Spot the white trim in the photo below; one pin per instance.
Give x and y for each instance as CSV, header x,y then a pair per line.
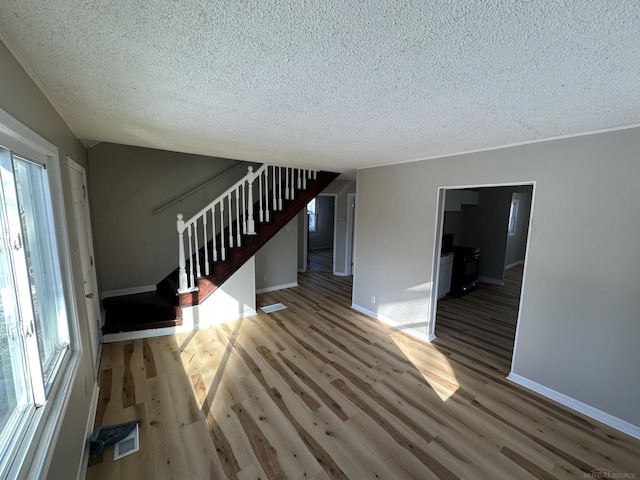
x,y
514,264
128,291
507,145
19,138
276,287
335,227
35,452
84,459
340,274
567,401
350,244
393,323
34,458
491,280
159,332
302,270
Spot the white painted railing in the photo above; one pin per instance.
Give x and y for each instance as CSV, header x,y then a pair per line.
x,y
233,211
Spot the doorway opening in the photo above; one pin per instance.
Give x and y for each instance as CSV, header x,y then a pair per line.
x,y
321,233
478,297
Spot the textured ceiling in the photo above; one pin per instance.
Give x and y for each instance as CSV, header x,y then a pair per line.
x,y
331,83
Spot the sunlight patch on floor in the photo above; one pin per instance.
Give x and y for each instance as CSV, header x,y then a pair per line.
x,y
432,365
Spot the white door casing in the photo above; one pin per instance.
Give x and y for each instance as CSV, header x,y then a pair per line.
x,y
81,210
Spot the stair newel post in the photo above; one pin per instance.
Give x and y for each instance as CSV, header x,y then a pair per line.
x,y
213,233
251,224
238,227
230,205
182,272
205,244
223,251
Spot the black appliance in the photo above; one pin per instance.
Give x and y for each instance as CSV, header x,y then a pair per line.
x,y
464,275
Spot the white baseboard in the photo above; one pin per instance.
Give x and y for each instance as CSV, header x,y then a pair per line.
x,y
84,459
129,291
276,287
160,332
588,410
514,264
393,323
302,270
340,274
492,281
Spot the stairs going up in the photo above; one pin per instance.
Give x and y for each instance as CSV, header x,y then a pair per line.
x,y
163,307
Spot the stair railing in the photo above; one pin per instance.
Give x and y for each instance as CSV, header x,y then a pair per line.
x,y
233,210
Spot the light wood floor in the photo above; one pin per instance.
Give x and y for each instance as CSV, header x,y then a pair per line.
x,y
484,319
320,260
320,391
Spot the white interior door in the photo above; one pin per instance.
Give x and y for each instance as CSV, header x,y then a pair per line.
x,y
85,244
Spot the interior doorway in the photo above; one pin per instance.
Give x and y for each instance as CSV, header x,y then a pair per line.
x,y
321,233
479,304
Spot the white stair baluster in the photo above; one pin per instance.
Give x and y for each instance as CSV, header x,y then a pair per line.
x,y
315,174
230,205
223,250
251,224
238,227
205,244
266,195
182,273
299,179
304,179
244,210
191,265
197,249
287,195
213,233
275,200
280,188
261,213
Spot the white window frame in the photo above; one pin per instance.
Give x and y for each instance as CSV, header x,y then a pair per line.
x,y
32,453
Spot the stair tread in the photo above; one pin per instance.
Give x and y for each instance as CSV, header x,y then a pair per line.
x,y
147,298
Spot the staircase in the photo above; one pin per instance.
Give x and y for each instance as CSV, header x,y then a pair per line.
x,y
216,242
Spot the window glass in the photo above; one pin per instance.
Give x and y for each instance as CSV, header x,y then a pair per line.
x,y
313,217
40,252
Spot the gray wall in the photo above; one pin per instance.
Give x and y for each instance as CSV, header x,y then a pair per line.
x,y
303,236
22,99
135,247
278,259
323,236
578,328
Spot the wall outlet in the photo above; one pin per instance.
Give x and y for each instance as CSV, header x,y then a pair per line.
x,y
373,299
265,278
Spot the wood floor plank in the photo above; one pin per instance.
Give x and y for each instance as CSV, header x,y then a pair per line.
x,y
320,391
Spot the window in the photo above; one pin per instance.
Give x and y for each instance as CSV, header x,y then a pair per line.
x,y
513,217
36,366
313,216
